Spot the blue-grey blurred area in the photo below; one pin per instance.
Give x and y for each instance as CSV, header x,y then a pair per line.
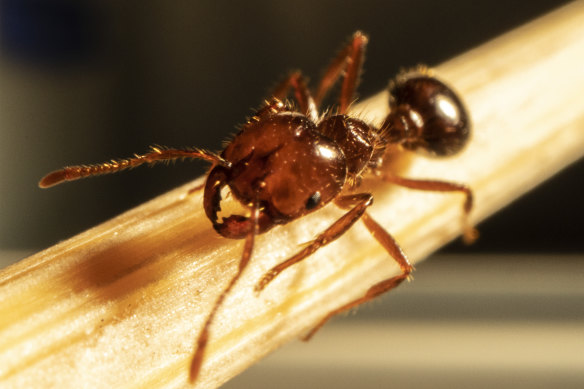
x,y
57,32
86,81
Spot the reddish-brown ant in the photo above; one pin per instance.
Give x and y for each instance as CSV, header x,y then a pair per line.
x,y
287,162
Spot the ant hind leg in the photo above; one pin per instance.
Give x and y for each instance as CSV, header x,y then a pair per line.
x,y
470,234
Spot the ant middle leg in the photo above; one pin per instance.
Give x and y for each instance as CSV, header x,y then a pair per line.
x,y
470,234
337,229
392,247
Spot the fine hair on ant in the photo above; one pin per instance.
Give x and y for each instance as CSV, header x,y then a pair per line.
x,y
289,160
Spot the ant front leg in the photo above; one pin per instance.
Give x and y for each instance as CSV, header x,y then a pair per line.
x,y
337,229
204,335
196,189
391,246
301,93
201,186
349,61
470,234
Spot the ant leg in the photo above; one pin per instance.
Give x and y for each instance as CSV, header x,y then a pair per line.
x,y
389,243
199,187
196,189
470,234
349,60
204,335
156,154
337,229
301,93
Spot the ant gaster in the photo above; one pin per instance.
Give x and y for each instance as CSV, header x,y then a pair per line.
x,y
287,162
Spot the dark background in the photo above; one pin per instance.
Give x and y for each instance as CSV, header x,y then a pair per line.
x,y
86,81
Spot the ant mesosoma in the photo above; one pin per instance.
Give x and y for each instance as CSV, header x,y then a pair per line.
x,y
287,162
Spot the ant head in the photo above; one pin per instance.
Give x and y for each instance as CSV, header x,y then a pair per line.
x,y
283,163
426,115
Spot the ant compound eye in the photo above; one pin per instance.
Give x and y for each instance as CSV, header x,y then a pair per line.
x,y
313,201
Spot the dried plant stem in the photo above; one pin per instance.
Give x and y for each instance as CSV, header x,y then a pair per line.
x,y
120,305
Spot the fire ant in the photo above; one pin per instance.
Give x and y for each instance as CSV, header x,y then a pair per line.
x,y
288,161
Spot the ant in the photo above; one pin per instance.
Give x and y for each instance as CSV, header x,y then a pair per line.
x,y
289,161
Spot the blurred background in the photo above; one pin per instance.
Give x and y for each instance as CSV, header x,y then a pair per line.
x,y
86,81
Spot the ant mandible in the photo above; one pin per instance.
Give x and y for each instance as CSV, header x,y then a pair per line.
x,y
287,162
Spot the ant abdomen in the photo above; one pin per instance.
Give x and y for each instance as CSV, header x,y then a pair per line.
x,y
426,115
